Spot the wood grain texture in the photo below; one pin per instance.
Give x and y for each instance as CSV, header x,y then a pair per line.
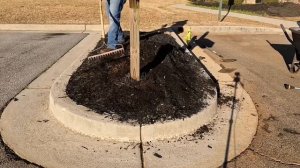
x,y
101,20
135,40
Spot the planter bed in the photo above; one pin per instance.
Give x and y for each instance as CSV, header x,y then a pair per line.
x,y
173,84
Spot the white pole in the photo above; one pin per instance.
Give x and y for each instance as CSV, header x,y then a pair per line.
x,y
220,10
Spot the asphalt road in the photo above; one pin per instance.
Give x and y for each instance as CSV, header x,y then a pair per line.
x,y
23,57
261,61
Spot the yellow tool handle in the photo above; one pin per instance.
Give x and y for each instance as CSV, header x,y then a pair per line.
x,y
101,19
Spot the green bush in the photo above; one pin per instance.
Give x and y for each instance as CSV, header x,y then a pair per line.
x,y
236,2
225,2
270,1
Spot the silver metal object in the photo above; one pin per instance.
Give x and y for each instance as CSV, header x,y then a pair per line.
x,y
119,52
295,65
287,86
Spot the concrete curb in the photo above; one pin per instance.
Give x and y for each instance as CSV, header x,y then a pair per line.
x,y
96,28
80,28
234,29
272,21
83,120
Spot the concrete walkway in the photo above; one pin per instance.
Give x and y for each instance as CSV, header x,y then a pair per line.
x,y
239,15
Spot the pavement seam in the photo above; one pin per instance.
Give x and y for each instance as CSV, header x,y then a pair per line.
x,y
38,88
84,29
273,159
141,147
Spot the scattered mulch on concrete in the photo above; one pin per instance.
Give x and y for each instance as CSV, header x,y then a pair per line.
x,y
225,100
157,155
201,130
199,133
173,85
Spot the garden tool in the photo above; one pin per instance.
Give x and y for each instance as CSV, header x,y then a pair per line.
x,y
116,52
101,19
295,65
188,37
119,52
287,86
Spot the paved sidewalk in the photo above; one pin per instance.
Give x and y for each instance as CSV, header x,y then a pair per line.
x,y
238,15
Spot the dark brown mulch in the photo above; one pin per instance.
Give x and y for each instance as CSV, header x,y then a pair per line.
x,y
173,85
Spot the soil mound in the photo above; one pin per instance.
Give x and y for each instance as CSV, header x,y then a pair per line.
x,y
173,85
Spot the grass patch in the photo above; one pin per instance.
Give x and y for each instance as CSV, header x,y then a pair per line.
x,y
268,8
225,8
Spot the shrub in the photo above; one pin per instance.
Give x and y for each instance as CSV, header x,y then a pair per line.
x,y
270,1
225,2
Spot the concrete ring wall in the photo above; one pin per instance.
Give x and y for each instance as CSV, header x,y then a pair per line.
x,y
81,119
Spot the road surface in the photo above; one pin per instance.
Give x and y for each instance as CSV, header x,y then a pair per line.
x,y
23,57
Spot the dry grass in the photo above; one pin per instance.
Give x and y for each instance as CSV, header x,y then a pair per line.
x,y
154,13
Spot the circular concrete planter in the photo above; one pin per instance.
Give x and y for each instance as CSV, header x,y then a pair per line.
x,y
85,121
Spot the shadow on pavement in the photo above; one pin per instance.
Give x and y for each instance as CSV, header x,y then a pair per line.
x,y
230,3
287,52
234,101
202,42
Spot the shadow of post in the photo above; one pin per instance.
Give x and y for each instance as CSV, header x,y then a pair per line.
x,y
287,51
162,53
230,4
236,80
202,42
228,11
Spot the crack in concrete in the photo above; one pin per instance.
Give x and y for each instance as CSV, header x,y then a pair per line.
x,y
141,147
274,159
30,88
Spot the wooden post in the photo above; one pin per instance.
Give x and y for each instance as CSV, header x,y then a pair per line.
x,y
134,40
101,19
